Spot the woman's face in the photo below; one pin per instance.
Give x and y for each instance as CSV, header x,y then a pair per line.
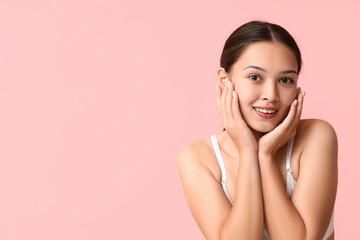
x,y
265,78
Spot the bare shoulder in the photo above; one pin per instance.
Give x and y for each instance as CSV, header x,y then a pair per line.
x,y
192,151
317,137
316,132
316,128
204,195
194,156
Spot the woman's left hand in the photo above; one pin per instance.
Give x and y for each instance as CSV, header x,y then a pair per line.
x,y
271,142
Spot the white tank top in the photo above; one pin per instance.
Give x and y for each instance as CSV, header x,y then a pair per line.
x,y
290,182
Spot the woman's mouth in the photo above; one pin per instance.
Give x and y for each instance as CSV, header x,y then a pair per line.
x,y
265,112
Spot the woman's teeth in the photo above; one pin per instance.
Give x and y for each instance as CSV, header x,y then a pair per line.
x,y
264,110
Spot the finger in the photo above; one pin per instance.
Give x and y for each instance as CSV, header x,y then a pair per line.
x,y
224,102
222,85
236,107
229,98
291,115
300,99
219,92
223,105
301,102
218,96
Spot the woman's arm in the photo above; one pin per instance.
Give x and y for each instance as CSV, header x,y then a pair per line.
x,y
246,218
307,214
282,219
210,207
316,187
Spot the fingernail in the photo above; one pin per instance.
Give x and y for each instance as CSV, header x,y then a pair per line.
x,y
234,94
295,102
303,94
229,84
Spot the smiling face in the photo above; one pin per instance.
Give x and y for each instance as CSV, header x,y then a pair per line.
x,y
265,78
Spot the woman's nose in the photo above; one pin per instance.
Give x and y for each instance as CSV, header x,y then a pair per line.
x,y
270,92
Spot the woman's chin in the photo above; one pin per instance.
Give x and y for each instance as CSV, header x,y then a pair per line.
x,y
262,125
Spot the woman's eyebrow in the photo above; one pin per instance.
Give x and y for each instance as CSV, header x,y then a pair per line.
x,y
289,71
261,69
256,67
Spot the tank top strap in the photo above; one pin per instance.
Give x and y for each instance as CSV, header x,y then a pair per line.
x,y
219,158
288,155
222,166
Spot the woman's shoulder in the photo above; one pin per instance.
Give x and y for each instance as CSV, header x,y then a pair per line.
x,y
197,156
310,129
195,151
316,137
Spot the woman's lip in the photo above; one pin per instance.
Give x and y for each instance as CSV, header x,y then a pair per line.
x,y
266,115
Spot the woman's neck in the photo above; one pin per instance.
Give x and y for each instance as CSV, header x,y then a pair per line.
x,y
257,134
231,147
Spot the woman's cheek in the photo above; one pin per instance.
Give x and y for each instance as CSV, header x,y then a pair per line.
x,y
289,98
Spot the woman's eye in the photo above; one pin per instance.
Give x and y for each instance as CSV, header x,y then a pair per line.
x,y
286,80
254,77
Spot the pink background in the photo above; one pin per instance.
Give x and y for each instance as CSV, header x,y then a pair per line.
x,y
97,97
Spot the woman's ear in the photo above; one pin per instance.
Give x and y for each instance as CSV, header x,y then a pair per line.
x,y
222,76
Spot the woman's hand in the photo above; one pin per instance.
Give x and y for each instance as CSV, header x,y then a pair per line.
x,y
236,127
271,142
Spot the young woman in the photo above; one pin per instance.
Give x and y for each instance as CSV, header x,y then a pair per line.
x,y
268,174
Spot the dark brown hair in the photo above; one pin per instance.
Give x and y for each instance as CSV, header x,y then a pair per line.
x,y
255,31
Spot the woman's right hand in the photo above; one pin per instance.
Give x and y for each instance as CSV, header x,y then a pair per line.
x,y
229,109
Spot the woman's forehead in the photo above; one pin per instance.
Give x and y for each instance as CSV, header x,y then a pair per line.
x,y
273,56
